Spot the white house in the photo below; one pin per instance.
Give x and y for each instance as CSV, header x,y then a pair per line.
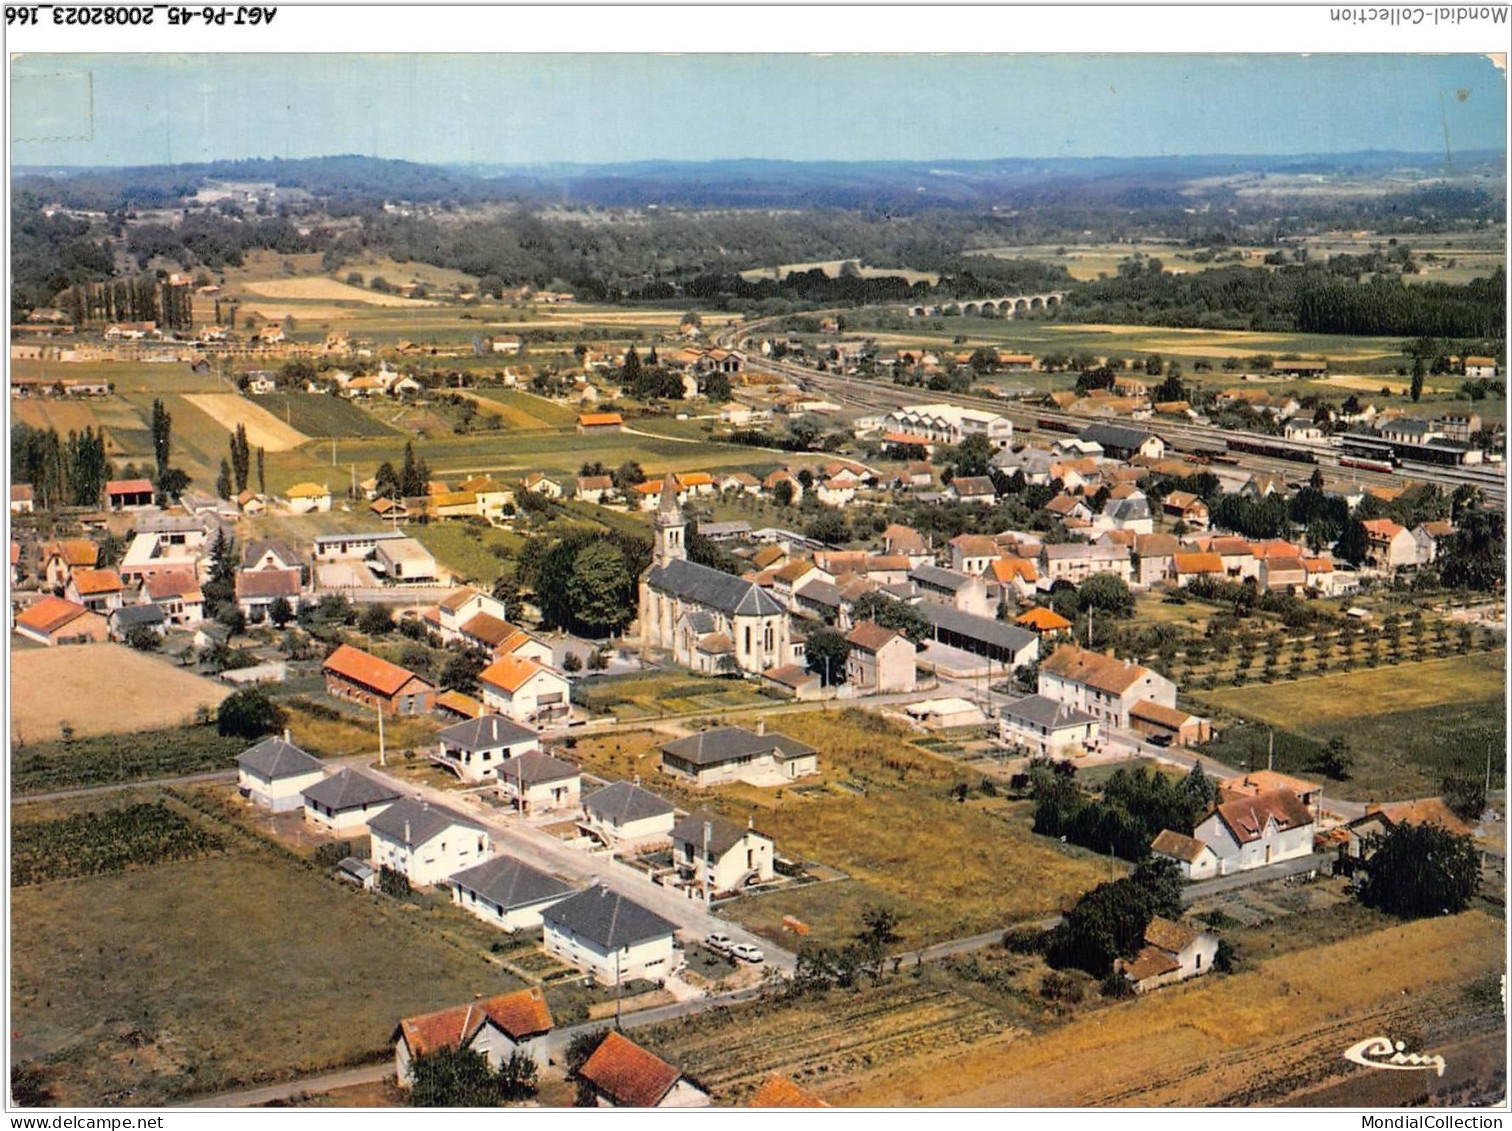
x,y
716,855
627,816
307,497
495,1027
474,750
524,690
1046,726
507,893
536,782
1102,686
1196,860
726,754
881,660
609,936
343,802
428,843
1251,832
275,772
404,561
622,1074
1171,953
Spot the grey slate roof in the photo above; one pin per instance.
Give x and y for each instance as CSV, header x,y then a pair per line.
x,y
938,578
702,585
723,834
606,919
821,593
979,628
273,758
252,551
1042,711
509,883
701,622
1112,436
624,801
725,744
536,768
348,790
129,616
487,732
410,822
1128,510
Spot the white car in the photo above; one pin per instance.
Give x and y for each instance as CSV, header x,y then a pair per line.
x,y
747,953
719,944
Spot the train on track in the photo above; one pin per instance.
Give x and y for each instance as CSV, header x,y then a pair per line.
x,y
1365,463
1274,449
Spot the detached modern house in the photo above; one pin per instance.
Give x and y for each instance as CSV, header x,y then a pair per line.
x,y
507,893
497,1027
275,772
536,782
53,621
475,750
717,855
609,936
524,690
623,815
622,1074
428,843
726,754
345,801
1196,860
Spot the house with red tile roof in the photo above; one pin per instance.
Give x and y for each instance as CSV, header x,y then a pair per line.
x,y
780,1091
496,1027
881,660
1251,832
53,621
1172,952
622,1074
524,690
351,673
1104,687
98,589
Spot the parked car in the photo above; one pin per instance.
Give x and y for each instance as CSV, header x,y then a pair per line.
x,y
1160,740
747,953
719,944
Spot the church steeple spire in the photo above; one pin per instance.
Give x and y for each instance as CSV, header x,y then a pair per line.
x,y
670,524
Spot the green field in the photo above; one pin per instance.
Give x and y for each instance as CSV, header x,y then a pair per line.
x,y
465,550
322,416
1406,725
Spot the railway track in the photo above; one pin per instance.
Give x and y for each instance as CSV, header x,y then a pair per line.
x,y
872,396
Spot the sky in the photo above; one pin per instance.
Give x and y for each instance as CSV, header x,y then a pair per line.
x,y
534,109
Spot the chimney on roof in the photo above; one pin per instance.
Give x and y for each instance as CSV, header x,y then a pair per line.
x,y
761,726
406,832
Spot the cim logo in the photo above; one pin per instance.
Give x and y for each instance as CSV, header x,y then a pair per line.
x,y
1383,1052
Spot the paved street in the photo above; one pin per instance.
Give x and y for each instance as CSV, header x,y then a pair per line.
x,y
544,851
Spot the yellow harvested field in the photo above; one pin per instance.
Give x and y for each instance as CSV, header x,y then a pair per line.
x,y
264,430
327,290
102,689
1256,1036
65,416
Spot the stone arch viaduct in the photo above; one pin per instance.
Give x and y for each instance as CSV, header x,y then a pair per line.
x,y
1004,307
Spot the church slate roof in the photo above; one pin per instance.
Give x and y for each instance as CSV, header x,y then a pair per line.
x,y
702,585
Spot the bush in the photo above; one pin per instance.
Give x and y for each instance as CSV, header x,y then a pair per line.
x,y
248,713
393,883
1116,986
1024,940
1061,987
329,855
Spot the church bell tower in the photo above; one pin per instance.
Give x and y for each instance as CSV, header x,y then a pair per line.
x,y
670,525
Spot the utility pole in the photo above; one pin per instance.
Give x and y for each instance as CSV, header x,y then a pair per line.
x,y
382,753
617,988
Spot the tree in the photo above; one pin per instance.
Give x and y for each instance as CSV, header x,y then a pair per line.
x,y
972,457
1417,379
223,481
1465,794
630,372
262,479
143,638
461,670
828,526
627,475
162,438
579,1049
453,1077
280,612
782,494
894,614
879,930
1354,543
1336,759
1421,870
241,458
1108,593
600,587
717,387
248,713
376,620
827,653
572,663
1473,554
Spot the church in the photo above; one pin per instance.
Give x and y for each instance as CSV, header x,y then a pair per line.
x,y
706,618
